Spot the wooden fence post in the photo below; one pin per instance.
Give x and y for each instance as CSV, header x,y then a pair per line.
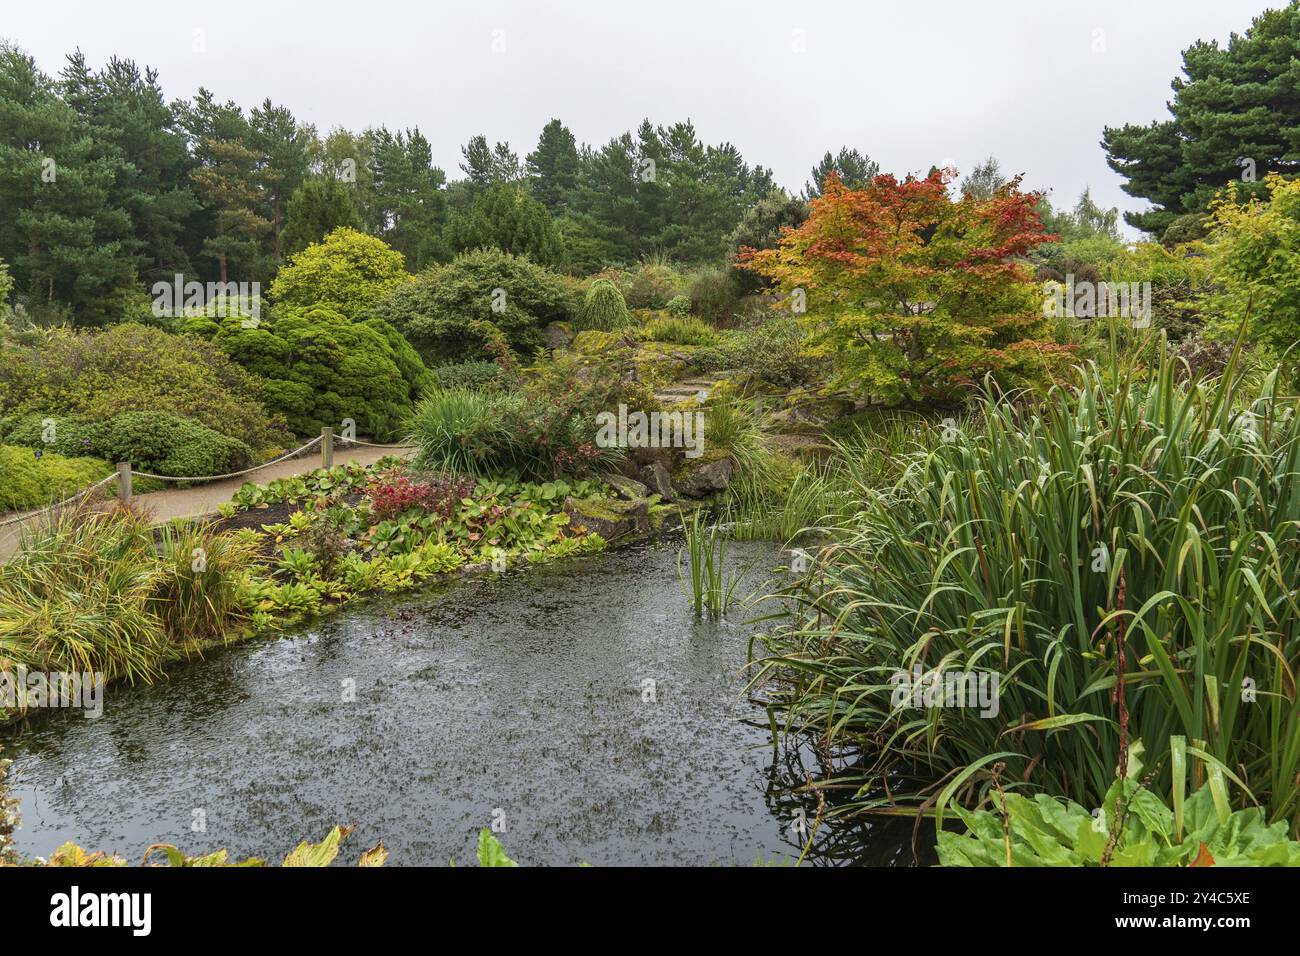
x,y
124,482
327,447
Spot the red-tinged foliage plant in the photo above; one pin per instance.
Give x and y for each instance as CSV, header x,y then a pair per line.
x,y
391,494
917,296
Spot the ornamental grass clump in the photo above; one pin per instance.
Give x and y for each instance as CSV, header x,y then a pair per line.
x,y
1121,557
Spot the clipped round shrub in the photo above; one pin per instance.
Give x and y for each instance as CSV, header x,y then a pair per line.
x,y
347,271
68,435
166,444
603,308
321,368
516,295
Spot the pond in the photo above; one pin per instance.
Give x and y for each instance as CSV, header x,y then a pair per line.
x,y
580,706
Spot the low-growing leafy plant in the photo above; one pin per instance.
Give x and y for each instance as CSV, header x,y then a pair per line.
x,y
1132,827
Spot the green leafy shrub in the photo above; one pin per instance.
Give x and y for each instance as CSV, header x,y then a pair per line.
x,y
1046,831
347,272
774,352
679,306
435,311
1255,256
545,429
28,481
165,444
69,435
603,309
135,368
651,284
320,368
1133,525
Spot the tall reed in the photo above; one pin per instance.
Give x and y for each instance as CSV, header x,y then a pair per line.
x,y
1123,556
710,586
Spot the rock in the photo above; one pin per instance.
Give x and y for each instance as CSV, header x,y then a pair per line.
x,y
611,518
658,481
557,335
627,488
707,479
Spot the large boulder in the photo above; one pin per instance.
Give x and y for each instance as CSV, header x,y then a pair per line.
x,y
706,479
611,518
557,335
658,481
627,488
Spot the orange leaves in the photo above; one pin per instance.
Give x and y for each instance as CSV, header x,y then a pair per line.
x,y
941,283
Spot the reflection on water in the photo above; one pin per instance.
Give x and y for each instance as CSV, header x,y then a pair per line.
x,y
580,705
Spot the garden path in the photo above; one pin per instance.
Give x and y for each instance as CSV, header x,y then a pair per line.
x,y
202,500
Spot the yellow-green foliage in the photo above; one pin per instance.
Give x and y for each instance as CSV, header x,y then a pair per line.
x,y
27,481
347,271
1256,258
136,368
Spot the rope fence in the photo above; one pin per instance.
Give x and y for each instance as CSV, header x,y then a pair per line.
x,y
58,504
327,441
234,474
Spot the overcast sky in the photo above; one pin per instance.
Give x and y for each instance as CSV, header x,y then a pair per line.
x,y
912,84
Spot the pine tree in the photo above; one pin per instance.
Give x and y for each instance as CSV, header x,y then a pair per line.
x,y
133,127
854,169
506,217
282,163
410,202
1235,117
69,245
553,166
318,207
226,180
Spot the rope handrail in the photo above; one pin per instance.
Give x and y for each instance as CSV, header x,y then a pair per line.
x,y
234,474
358,441
27,516
58,504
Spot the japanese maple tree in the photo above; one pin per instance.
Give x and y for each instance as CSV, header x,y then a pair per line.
x,y
915,295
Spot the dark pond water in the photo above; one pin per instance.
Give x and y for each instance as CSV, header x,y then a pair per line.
x,y
522,699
